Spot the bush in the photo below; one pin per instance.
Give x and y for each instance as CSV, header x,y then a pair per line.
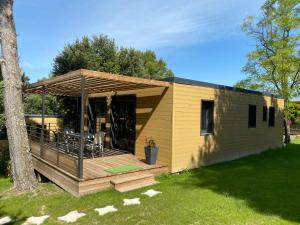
x,y
4,162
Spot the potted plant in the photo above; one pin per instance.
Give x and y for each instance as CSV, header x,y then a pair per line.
x,y
151,151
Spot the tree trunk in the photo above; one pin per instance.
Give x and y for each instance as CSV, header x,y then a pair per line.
x,y
287,131
21,163
287,126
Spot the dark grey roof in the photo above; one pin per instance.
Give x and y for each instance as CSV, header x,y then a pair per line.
x,y
180,80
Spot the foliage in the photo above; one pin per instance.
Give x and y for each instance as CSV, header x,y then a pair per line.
x,y
274,65
33,104
150,143
255,86
4,162
252,190
295,112
101,53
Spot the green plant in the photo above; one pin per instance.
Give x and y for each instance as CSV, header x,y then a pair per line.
x,y
4,162
150,143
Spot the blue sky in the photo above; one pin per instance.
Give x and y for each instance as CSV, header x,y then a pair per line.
x,y
199,39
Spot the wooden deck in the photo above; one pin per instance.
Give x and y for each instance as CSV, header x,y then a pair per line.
x,y
62,171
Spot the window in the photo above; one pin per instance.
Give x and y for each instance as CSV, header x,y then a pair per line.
x,y
252,116
265,113
207,117
271,117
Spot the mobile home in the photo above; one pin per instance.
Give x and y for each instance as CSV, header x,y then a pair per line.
x,y
193,123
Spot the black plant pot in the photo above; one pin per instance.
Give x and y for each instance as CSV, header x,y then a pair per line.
x,y
151,155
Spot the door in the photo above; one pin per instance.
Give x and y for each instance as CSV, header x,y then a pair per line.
x,y
123,118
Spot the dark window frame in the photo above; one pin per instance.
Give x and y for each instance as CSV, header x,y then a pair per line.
x,y
271,116
211,130
252,117
265,113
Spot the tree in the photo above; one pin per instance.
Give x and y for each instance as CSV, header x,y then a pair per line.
x,y
274,65
101,53
22,169
2,117
142,64
33,102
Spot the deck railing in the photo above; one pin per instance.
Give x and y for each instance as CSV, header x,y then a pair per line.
x,y
61,149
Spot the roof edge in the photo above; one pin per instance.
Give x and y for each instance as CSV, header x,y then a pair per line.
x,y
179,80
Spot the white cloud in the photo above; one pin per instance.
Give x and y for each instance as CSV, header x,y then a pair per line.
x,y
156,23
26,64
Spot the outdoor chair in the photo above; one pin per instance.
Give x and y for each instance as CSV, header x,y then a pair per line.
x,y
69,139
95,142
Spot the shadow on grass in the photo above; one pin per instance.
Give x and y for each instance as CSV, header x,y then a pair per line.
x,y
269,182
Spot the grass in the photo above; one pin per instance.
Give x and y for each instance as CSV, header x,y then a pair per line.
x,y
122,169
260,189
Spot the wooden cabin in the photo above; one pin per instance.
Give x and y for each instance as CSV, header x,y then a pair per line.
x,y
193,123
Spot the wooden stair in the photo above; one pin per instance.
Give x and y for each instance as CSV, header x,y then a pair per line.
x,y
131,182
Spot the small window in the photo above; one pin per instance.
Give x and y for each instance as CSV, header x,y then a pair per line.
x,y
207,117
252,116
265,113
271,117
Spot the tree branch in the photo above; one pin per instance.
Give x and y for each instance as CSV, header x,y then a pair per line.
x,y
295,79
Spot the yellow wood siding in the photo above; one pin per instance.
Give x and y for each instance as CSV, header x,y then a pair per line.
x,y
153,119
51,123
172,117
232,138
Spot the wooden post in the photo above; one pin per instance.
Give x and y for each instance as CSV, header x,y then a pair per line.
x,y
108,122
43,123
57,149
80,159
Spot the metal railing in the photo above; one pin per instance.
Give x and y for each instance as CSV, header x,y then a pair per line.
x,y
61,149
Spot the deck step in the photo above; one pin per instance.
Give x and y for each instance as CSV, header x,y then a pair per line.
x,y
131,182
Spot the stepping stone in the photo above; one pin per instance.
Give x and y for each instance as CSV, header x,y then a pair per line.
x,y
71,216
133,201
36,220
105,210
5,220
151,193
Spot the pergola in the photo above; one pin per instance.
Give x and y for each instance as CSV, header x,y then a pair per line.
x,y
81,83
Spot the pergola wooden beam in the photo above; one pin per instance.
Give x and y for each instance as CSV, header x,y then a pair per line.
x,y
69,84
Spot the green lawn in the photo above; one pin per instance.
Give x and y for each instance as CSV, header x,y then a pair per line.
x,y
261,189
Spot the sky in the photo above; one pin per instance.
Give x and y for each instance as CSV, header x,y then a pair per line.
x,y
199,39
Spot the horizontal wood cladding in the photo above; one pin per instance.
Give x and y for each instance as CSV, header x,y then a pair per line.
x,y
232,138
65,162
153,119
51,123
61,179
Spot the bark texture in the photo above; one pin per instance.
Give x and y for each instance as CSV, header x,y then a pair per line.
x,y
21,162
286,124
287,131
